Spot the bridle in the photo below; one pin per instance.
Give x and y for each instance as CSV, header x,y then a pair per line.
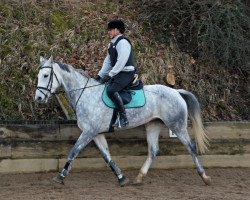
x,y
49,86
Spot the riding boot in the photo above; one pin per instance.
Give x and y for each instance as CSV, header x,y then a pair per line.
x,y
121,110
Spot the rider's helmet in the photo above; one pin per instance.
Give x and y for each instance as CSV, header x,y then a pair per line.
x,y
116,23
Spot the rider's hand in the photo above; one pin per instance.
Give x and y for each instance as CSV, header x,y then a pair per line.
x,y
98,78
105,79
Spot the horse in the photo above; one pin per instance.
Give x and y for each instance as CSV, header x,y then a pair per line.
x,y
164,106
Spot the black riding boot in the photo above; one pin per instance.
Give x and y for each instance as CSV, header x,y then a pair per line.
x,y
120,107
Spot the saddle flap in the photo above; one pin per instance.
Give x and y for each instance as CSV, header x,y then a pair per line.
x,y
126,96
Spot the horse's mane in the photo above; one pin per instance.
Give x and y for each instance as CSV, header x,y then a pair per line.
x,y
66,67
82,72
63,66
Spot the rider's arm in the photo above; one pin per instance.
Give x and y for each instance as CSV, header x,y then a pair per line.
x,y
106,66
123,50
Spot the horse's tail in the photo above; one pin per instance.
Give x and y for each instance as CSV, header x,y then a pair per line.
x,y
201,138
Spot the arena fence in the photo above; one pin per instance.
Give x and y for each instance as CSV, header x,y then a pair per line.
x,y
41,146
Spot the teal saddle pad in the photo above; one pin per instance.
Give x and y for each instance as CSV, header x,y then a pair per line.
x,y
138,99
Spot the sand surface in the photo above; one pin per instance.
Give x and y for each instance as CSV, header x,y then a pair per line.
x,y
227,184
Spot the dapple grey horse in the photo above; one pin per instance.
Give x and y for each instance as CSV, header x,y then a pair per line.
x,y
164,106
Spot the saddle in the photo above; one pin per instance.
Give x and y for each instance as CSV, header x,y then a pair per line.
x,y
136,84
132,96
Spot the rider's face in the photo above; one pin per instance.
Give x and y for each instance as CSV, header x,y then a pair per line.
x,y
113,32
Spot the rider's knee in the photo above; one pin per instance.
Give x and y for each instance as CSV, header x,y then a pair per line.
x,y
110,93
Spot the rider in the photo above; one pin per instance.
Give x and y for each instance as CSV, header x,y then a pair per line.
x,y
118,67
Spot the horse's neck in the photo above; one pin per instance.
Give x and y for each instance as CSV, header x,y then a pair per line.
x,y
73,82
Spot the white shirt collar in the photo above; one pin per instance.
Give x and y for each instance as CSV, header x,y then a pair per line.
x,y
115,38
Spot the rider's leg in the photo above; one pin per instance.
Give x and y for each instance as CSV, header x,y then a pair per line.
x,y
120,107
102,144
119,82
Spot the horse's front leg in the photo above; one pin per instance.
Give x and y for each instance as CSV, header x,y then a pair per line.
x,y
82,141
102,144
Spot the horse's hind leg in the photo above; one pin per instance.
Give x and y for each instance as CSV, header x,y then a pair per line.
x,y
191,147
153,130
102,144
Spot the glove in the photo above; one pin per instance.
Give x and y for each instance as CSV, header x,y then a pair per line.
x,y
105,79
98,78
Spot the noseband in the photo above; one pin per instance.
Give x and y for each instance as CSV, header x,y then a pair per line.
x,y
49,86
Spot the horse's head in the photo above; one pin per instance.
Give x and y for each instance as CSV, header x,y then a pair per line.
x,y
47,80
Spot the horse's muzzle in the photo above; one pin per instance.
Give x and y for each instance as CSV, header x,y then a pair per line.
x,y
41,99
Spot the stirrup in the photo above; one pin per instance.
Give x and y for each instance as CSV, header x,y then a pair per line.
x,y
118,122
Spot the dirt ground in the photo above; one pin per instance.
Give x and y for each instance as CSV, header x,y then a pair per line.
x,y
229,184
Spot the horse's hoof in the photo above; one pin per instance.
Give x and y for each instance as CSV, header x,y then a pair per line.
x,y
138,180
137,183
123,181
59,179
207,179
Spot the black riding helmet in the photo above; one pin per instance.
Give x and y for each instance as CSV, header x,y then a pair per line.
x,y
116,23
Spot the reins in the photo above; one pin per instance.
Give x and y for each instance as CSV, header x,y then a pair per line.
x,y
81,92
83,88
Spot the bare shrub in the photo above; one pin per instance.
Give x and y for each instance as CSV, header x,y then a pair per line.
x,y
215,31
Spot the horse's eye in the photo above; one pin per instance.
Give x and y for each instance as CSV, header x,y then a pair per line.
x,y
45,76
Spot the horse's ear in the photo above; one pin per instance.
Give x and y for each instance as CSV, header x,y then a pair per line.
x,y
51,59
42,60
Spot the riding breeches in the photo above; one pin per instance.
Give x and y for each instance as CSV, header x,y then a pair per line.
x,y
119,82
